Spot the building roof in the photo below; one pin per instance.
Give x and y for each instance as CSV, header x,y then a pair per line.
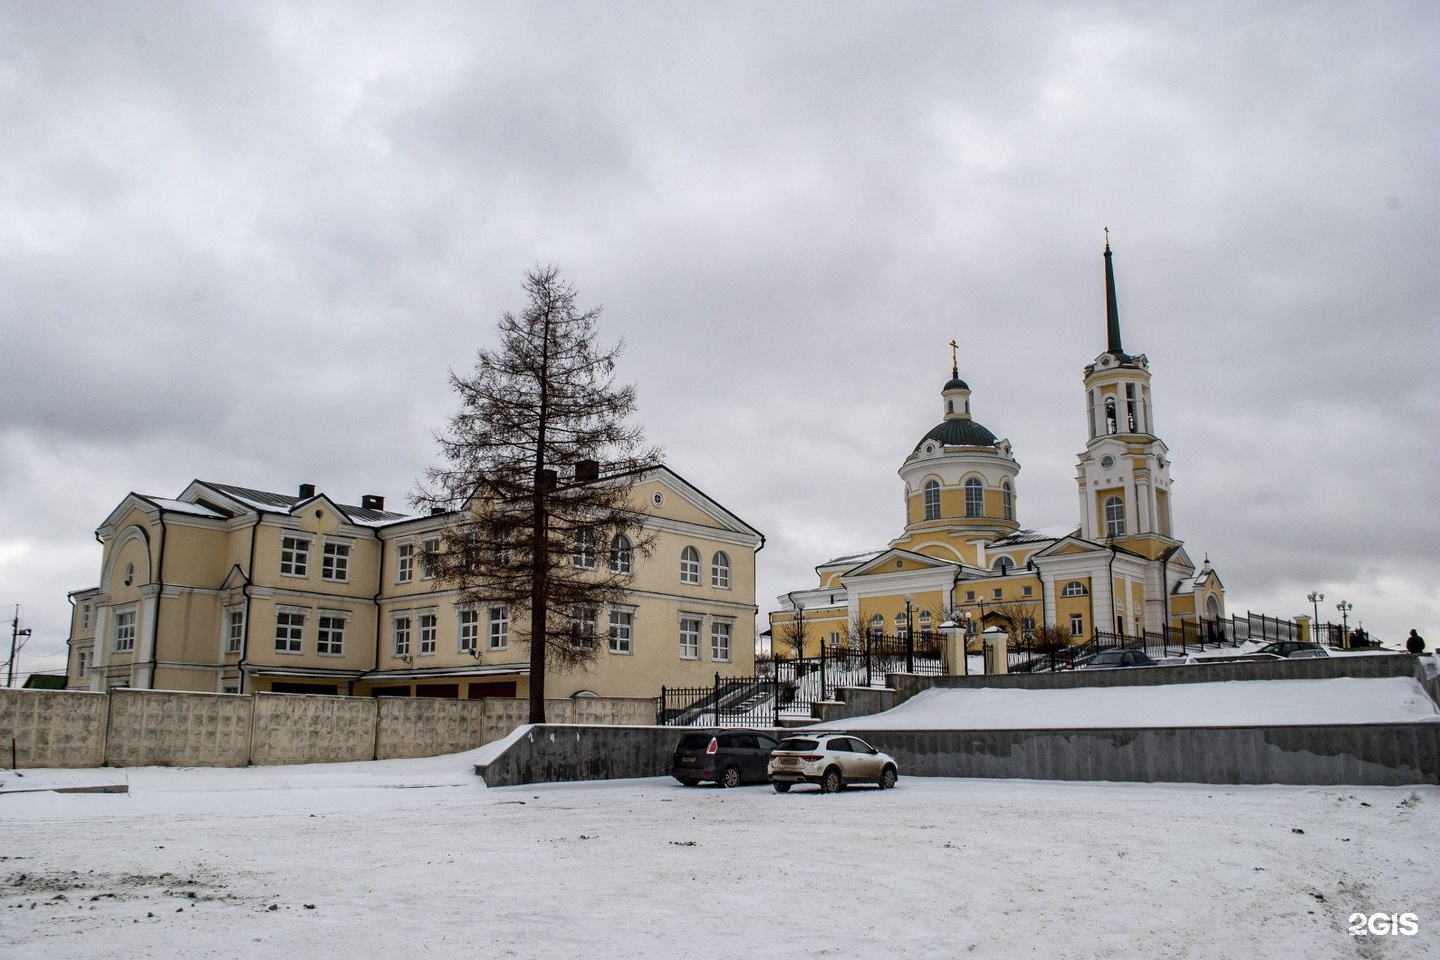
x,y
959,432
268,502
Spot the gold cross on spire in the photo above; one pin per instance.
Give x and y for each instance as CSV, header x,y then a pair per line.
x,y
954,357
1107,237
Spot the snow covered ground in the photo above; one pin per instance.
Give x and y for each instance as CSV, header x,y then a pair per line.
x,y
417,858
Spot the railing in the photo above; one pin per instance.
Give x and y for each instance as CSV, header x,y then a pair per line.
x,y
1171,641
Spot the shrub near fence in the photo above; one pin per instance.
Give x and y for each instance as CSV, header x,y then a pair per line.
x,y
66,728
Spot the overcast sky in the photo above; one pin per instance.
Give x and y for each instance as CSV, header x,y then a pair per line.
x,y
245,243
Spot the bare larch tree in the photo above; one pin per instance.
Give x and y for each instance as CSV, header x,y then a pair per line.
x,y
539,465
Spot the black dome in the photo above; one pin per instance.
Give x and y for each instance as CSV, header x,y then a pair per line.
x,y
955,383
959,433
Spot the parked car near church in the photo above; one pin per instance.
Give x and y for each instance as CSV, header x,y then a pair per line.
x,y
834,761
725,757
1297,649
1119,657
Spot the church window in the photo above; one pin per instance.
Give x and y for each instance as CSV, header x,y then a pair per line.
x,y
925,627
1132,418
901,630
1074,589
974,498
877,627
1002,565
932,500
584,556
1077,625
1007,500
1111,425
1114,517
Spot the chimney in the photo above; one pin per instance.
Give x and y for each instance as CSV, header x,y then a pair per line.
x,y
587,471
372,501
307,490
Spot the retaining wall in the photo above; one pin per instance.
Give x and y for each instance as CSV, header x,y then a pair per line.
x,y
52,728
128,728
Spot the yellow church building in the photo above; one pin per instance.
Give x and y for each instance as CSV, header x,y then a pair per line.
x,y
964,555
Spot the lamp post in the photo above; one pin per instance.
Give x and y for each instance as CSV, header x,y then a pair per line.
x,y
965,645
909,636
1315,599
1345,606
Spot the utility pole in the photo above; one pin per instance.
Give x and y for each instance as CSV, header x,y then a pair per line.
x,y
15,634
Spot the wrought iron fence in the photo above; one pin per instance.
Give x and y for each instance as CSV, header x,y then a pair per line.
x,y
784,687
1169,642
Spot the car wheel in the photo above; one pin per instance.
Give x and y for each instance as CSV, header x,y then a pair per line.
x,y
688,781
831,782
730,777
781,786
888,778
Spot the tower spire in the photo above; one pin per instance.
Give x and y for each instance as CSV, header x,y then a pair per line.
x,y
1112,310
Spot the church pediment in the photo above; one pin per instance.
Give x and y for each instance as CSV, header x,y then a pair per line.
x,y
898,561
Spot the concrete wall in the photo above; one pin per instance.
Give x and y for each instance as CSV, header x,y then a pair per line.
x,y
53,728
1358,754
128,728
312,729
166,728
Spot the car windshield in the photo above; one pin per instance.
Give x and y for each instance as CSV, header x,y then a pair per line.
x,y
1109,656
795,743
694,741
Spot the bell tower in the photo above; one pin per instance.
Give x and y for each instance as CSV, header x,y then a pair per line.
x,y
1124,471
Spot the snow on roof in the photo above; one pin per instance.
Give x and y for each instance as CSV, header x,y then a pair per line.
x,y
1224,704
182,506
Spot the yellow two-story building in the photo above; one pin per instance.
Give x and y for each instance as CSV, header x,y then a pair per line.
x,y
229,589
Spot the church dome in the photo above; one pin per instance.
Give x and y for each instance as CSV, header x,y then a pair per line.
x,y
959,432
956,383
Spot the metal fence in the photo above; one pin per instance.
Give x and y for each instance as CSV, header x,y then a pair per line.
x,y
784,687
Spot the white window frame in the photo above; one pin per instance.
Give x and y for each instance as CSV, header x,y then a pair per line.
x,y
1074,588
622,631
295,556
720,570
722,640
292,639
85,615
82,658
974,497
498,627
1114,516
622,555
584,627
404,562
690,626
1077,625
127,624
468,629
234,639
585,555
429,547
1007,500
335,561
690,565
427,632
402,626
330,633
932,499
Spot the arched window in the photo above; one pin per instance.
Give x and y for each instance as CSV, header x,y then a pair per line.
x,y
585,549
1074,589
1007,500
622,555
925,624
1003,564
1111,424
974,498
932,500
877,627
901,627
689,565
720,571
1114,517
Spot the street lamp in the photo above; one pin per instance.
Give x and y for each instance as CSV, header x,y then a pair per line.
x,y
1315,599
15,634
1345,606
909,637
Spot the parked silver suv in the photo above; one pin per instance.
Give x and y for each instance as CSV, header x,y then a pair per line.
x,y
833,760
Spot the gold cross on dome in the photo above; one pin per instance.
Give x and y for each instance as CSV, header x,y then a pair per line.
x,y
954,357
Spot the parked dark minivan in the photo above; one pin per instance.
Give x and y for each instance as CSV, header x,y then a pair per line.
x,y
726,757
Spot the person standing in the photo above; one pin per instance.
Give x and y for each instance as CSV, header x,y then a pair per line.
x,y
1415,643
